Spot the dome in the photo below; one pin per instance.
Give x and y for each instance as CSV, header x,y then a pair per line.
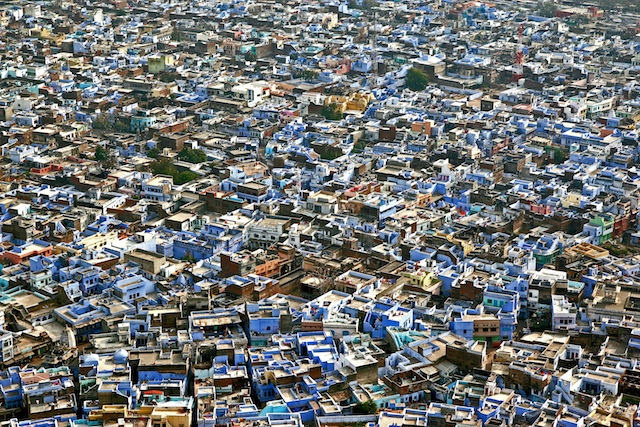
x,y
121,356
92,359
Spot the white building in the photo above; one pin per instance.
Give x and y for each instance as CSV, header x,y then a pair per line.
x,y
6,345
19,154
266,232
158,188
563,313
322,202
252,93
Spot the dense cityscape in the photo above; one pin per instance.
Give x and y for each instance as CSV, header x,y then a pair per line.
x,y
326,213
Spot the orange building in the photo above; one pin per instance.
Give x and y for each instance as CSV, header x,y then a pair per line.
x,y
21,253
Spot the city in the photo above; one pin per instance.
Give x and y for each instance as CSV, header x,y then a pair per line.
x,y
326,213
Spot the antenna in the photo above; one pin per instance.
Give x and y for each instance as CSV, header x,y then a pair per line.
x,y
374,51
518,72
374,44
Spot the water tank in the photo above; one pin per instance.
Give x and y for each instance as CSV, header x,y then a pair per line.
x,y
121,356
92,359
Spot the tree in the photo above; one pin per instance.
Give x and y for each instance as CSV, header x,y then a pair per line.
x,y
360,145
153,153
168,77
331,112
122,125
250,56
192,156
106,157
309,75
330,152
185,176
365,4
416,79
547,8
540,324
101,122
556,154
364,408
166,167
101,153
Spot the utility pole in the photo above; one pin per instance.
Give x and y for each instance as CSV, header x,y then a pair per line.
x,y
518,71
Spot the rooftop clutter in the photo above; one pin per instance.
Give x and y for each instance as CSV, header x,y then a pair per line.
x,y
342,213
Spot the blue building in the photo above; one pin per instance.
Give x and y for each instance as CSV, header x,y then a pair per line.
x,y
133,287
88,278
383,316
103,224
506,305
10,388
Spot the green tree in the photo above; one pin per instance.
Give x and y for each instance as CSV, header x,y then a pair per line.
x,y
153,153
168,77
185,176
363,408
121,126
166,167
540,324
331,112
309,75
192,156
106,157
365,4
101,122
360,145
416,79
101,153
250,56
330,153
547,8
556,154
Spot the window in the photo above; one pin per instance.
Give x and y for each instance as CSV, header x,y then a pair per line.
x,y
485,329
